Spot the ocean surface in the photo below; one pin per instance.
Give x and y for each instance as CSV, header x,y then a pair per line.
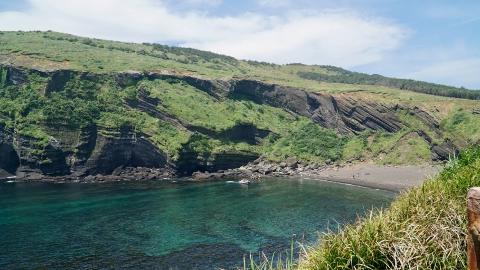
x,y
160,225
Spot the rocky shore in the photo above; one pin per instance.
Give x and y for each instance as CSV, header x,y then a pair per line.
x,y
252,171
120,174
265,168
392,178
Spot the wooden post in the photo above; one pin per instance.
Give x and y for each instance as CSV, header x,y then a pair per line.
x,y
473,237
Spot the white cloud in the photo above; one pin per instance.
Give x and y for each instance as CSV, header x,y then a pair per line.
x,y
275,3
331,37
461,72
321,38
203,2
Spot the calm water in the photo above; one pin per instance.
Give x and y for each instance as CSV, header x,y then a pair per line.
x,y
156,225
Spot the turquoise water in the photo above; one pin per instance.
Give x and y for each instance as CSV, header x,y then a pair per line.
x,y
158,225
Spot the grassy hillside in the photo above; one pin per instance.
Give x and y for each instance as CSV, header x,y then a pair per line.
x,y
338,75
92,96
51,50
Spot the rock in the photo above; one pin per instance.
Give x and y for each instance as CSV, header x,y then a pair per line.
x,y
199,176
190,161
291,162
314,166
240,132
444,151
255,169
17,76
9,158
244,182
89,178
346,115
126,150
117,171
257,161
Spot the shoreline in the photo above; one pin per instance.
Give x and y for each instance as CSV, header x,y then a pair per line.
x,y
368,175
390,178
361,184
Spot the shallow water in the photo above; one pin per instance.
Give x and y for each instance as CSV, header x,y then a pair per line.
x,y
158,225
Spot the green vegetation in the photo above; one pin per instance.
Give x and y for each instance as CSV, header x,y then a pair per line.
x,y
3,77
80,103
309,142
338,75
28,112
200,109
293,136
462,126
409,150
423,229
51,50
354,148
285,262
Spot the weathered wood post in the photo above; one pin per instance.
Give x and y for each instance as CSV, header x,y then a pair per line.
x,y
473,237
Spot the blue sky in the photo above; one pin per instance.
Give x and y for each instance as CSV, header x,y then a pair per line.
x,y
437,41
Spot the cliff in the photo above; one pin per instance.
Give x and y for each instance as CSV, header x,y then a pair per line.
x,y
79,108
53,145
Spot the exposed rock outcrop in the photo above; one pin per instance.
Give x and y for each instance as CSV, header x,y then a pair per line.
x,y
262,167
58,81
444,151
9,160
37,158
341,113
242,132
15,76
145,103
126,149
191,161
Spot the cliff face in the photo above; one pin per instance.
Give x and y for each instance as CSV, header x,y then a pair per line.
x,y
9,159
120,149
345,115
93,149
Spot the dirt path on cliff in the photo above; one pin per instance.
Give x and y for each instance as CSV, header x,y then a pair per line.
x,y
393,178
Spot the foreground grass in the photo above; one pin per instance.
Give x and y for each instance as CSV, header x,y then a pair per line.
x,y
423,229
283,261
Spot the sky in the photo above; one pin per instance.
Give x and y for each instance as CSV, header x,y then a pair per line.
x,y
431,40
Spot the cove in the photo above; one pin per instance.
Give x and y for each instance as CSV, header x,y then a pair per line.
x,y
167,225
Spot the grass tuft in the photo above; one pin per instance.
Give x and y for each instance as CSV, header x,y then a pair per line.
x,y
286,261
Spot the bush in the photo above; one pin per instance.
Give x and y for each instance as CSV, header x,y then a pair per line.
x,y
310,141
75,113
